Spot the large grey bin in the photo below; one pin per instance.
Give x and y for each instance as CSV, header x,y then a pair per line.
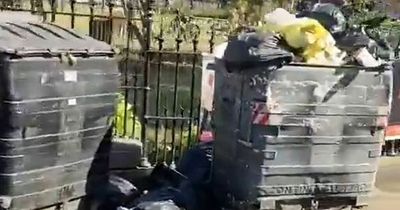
x,y
298,135
57,96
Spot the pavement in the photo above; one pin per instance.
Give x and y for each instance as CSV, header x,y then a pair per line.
x,y
387,193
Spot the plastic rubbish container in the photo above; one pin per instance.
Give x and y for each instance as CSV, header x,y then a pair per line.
x,y
57,97
298,135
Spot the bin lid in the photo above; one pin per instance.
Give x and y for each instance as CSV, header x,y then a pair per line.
x,y
24,37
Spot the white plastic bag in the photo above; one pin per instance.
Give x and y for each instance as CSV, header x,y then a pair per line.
x,y
365,58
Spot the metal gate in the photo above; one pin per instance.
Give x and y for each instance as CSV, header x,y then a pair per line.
x,y
160,67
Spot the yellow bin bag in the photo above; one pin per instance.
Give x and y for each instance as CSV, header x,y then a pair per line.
x,y
316,43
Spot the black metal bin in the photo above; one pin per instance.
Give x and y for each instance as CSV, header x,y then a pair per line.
x,y
57,96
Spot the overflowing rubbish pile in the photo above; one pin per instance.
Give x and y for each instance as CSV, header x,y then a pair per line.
x,y
186,187
314,44
312,37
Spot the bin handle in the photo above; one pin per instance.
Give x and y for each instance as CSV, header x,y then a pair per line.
x,y
380,68
68,58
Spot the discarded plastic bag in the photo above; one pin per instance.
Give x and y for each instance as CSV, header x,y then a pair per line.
x,y
125,125
162,205
316,43
252,49
280,18
365,58
112,192
157,205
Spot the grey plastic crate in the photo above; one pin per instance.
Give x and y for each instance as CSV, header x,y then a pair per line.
x,y
294,136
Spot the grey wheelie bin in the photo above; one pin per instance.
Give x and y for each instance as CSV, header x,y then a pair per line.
x,y
57,96
300,135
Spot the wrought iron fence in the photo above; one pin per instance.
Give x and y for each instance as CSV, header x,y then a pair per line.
x,y
160,68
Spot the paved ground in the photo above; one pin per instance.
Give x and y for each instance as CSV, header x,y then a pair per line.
x,y
387,195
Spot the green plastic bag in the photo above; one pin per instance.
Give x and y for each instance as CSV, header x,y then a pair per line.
x,y
125,129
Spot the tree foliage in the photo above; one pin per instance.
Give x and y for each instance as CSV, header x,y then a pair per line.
x,y
251,12
373,17
137,28
246,12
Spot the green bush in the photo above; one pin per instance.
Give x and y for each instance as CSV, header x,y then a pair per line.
x,y
205,12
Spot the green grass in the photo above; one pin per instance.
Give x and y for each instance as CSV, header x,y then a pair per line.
x,y
161,22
